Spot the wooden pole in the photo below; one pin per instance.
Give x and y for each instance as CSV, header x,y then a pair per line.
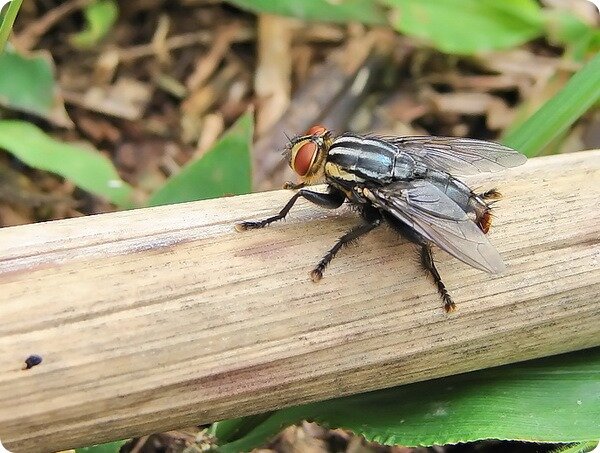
x,y
153,319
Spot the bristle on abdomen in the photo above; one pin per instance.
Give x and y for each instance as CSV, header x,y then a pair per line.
x,y
484,222
484,219
491,194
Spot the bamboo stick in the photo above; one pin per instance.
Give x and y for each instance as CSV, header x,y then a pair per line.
x,y
153,319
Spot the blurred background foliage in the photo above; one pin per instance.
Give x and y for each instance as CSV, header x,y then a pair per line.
x,y
109,104
121,101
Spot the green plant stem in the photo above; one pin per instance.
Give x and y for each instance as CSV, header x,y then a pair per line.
x,y
8,21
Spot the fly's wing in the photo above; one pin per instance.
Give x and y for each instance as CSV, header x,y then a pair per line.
x,y
431,213
459,156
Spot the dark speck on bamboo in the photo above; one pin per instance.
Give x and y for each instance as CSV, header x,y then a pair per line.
x,y
31,361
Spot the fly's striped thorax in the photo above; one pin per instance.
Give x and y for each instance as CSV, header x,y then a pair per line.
x,y
357,159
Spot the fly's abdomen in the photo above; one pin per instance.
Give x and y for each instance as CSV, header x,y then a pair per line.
x,y
463,196
368,159
456,190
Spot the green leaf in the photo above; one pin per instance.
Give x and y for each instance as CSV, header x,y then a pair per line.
x,y
7,19
27,85
582,447
111,447
365,11
579,38
580,93
229,430
224,170
468,26
87,168
100,16
555,399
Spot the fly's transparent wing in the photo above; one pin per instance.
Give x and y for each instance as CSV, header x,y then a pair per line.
x,y
459,156
431,213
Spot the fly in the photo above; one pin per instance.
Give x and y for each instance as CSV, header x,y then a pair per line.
x,y
406,182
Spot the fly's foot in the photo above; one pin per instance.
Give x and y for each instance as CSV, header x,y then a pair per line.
x,y
316,274
289,185
243,226
449,304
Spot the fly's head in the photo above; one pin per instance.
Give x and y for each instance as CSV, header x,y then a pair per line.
x,y
306,154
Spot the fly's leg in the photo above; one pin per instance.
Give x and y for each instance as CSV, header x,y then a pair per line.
x,y
426,257
429,265
331,200
356,232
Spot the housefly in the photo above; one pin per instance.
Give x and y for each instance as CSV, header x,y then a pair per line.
x,y
408,183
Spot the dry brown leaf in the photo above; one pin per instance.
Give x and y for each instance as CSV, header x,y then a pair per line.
x,y
208,63
197,104
213,126
127,98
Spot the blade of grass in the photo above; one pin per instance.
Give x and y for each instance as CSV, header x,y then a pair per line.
x,y
7,22
580,93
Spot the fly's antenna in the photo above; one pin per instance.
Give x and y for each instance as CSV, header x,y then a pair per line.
x,y
288,147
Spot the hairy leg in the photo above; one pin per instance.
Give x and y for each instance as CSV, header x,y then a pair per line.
x,y
429,265
331,200
352,235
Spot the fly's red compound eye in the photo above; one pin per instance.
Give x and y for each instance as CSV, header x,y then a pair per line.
x,y
316,130
305,157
